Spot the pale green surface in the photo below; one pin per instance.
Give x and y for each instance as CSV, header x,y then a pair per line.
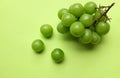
x,y
19,26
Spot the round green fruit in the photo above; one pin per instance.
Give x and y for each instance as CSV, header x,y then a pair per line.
x,y
38,45
57,55
76,9
102,28
87,37
77,29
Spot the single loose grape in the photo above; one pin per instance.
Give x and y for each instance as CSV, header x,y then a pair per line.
x,y
86,19
77,29
38,45
76,9
46,30
57,55
87,37
90,7
95,38
62,29
61,12
102,28
68,19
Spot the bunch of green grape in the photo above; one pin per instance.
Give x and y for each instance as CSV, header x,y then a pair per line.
x,y
84,22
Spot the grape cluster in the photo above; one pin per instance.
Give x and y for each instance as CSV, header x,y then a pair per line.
x,y
87,23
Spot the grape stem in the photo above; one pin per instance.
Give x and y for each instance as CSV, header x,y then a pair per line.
x,y
104,14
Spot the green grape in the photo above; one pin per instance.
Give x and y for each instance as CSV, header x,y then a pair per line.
x,y
62,29
57,55
90,7
98,13
86,38
77,29
68,19
46,30
76,9
61,12
95,38
102,28
86,19
38,45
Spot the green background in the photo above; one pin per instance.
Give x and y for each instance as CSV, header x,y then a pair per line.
x,y
20,21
